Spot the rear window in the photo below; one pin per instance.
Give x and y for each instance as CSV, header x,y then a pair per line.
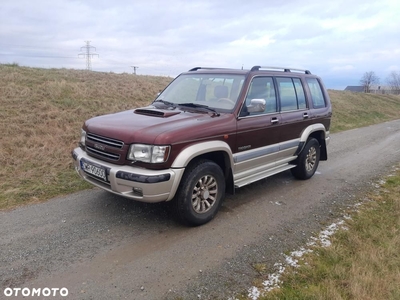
x,y
317,96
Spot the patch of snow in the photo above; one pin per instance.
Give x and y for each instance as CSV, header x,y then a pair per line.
x,y
292,259
254,293
273,280
325,234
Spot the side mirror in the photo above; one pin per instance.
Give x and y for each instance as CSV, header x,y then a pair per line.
x,y
256,105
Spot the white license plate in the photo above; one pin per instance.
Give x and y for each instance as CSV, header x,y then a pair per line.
x,y
96,171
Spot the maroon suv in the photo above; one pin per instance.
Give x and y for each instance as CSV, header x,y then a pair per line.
x,y
208,132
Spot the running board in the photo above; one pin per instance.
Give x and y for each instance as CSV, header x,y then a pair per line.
x,y
255,177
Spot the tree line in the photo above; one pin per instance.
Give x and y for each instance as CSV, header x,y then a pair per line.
x,y
370,78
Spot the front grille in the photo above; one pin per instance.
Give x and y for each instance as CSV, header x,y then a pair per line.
x,y
103,147
102,153
104,140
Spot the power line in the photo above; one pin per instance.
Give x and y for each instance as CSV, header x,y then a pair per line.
x,y
88,55
37,56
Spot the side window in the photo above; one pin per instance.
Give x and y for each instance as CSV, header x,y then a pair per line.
x,y
316,93
261,88
287,93
301,98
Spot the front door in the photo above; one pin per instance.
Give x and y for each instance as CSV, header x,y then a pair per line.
x,y
257,132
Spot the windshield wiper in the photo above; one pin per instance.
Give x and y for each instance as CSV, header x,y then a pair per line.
x,y
165,102
199,106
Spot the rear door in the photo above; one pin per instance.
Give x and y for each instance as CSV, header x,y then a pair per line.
x,y
295,115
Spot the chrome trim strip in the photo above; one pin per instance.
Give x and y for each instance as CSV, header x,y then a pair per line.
x,y
105,140
102,153
255,153
289,144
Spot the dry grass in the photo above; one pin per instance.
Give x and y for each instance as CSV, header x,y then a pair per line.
x,y
41,114
363,262
353,110
42,111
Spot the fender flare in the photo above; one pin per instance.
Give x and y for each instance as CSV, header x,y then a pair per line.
x,y
306,134
192,151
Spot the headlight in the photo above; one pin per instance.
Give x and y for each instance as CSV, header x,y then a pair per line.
x,y
83,138
148,153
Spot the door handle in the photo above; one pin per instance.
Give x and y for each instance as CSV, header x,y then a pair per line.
x,y
274,120
305,116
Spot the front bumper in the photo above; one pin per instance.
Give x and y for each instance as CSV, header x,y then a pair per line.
x,y
130,181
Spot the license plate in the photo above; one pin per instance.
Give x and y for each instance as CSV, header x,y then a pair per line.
x,y
94,170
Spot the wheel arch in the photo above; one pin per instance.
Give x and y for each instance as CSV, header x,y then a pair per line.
x,y
217,151
318,132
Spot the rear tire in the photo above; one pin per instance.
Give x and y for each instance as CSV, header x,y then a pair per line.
x,y
307,161
200,193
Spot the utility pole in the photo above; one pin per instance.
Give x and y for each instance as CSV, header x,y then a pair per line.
x,y
134,69
88,54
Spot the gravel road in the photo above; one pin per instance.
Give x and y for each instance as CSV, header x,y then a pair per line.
x,y
101,246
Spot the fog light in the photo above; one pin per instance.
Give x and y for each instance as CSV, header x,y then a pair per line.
x,y
137,191
74,155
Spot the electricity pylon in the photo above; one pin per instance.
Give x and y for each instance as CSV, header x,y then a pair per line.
x,y
134,69
88,54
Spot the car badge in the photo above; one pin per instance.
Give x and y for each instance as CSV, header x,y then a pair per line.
x,y
100,147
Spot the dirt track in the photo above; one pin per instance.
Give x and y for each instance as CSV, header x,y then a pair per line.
x,y
101,246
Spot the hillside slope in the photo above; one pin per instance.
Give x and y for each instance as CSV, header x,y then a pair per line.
x,y
42,111
352,110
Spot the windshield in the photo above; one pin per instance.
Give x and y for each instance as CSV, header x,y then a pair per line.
x,y
219,91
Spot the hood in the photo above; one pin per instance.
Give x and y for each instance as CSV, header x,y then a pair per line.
x,y
151,125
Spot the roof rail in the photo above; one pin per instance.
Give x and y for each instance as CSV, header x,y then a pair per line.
x,y
256,68
205,68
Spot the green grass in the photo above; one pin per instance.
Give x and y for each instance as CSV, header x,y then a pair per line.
x,y
363,261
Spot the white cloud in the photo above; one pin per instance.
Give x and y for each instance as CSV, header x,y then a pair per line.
x,y
346,37
343,68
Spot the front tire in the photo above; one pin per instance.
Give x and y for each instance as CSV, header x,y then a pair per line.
x,y
307,161
200,193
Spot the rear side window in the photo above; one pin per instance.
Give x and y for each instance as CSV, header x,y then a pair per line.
x,y
301,98
291,94
316,93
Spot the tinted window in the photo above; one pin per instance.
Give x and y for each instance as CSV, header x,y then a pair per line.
x,y
287,94
261,88
301,98
316,93
291,93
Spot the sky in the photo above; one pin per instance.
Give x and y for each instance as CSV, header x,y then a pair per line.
x,y
337,40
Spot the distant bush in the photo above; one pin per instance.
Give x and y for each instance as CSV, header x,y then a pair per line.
x,y
14,64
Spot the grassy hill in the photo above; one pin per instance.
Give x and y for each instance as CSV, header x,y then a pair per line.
x,y
352,110
42,111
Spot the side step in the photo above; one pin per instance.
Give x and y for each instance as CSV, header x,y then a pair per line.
x,y
255,177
